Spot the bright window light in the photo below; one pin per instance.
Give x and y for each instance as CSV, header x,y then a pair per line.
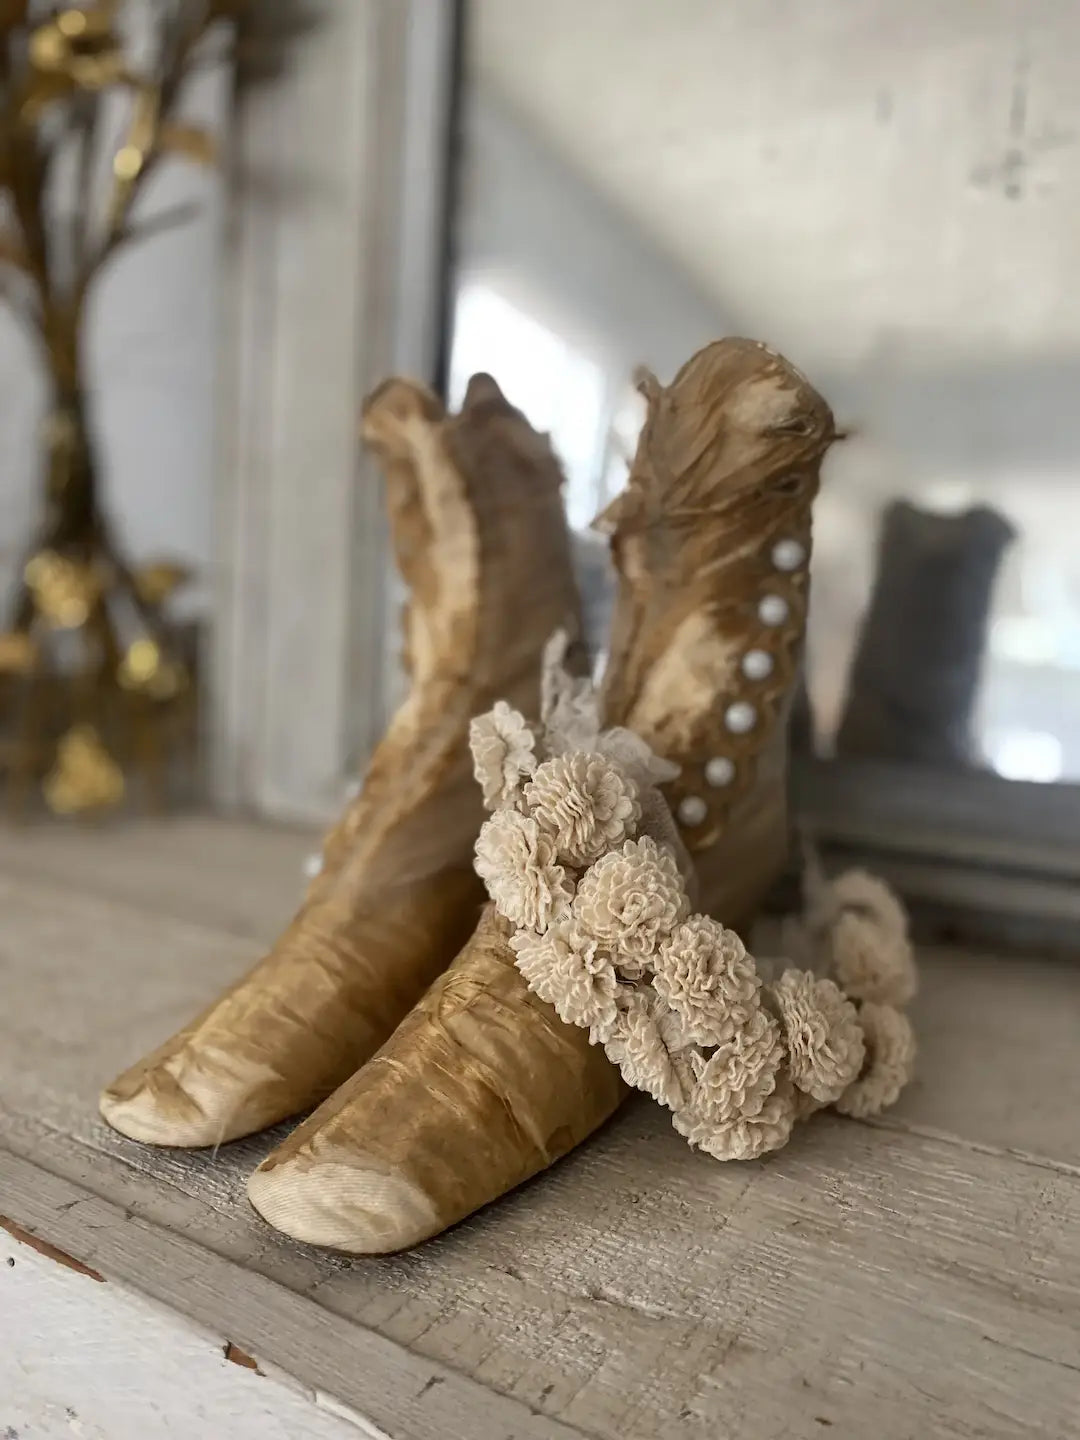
x,y
1024,639
559,389
626,426
1026,755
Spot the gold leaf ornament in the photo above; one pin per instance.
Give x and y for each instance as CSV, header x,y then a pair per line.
x,y
12,250
85,776
65,591
157,581
81,47
60,431
129,160
190,141
18,653
146,671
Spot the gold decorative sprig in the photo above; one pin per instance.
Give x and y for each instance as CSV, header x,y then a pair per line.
x,y
18,653
65,591
85,776
65,70
72,60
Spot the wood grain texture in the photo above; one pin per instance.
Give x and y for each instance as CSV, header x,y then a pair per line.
x,y
972,816
914,1278
243,879
398,1394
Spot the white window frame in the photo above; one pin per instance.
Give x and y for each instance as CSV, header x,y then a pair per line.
x,y
326,291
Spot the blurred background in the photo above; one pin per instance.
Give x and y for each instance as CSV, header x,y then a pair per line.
x,y
557,194
890,197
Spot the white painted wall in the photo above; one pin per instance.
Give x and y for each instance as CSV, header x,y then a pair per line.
x,y
546,236
542,236
332,284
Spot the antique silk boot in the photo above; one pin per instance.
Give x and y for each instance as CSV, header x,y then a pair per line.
x,y
481,542
482,1085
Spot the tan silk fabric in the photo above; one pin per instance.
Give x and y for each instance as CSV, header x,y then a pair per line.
x,y
480,537
739,868
728,466
315,1008
482,1085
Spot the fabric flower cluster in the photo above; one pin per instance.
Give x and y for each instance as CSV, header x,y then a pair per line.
x,y
580,855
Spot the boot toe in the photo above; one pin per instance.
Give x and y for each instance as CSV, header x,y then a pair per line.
x,y
149,1117
189,1100
349,1206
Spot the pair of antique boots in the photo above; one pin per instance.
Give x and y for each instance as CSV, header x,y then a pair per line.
x,y
392,1003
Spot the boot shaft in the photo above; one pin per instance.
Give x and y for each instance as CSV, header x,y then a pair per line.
x,y
711,541
481,540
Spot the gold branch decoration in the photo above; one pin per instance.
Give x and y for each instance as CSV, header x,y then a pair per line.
x,y
86,627
190,141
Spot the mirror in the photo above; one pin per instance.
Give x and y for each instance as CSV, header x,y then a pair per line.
x,y
889,198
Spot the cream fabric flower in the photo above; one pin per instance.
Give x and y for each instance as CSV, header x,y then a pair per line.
x,y
584,858
871,963
748,1137
504,752
630,900
672,1029
572,974
585,803
859,890
658,821
805,1105
890,1060
517,862
821,1032
862,934
637,1046
735,1081
702,971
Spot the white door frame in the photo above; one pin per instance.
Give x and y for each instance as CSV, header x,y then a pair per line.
x,y
334,278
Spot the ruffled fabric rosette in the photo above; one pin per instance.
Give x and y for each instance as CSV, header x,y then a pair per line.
x,y
582,856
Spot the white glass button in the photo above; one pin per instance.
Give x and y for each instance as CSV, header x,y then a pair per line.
x,y
312,865
757,664
788,554
772,610
720,771
692,810
740,717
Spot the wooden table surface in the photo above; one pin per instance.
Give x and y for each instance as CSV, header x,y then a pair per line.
x,y
916,1277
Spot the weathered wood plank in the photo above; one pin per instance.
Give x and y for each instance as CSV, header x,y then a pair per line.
x,y
241,878
87,985
866,1280
401,1394
90,983
997,1052
862,1278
